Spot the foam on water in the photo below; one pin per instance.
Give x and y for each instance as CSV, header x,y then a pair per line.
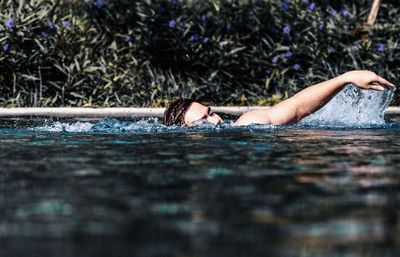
x,y
149,125
66,127
352,107
106,125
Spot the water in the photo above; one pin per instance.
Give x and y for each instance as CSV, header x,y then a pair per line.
x,y
137,188
353,106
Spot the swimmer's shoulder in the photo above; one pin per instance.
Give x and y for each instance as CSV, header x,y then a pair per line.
x,y
254,117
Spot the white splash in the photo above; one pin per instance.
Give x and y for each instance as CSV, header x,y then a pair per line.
x,y
67,127
106,126
353,106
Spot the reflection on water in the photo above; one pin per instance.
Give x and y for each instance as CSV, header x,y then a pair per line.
x,y
120,189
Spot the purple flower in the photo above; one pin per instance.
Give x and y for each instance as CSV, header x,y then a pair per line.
x,y
172,24
6,47
194,37
380,47
52,26
10,24
273,29
284,5
305,1
66,24
286,29
100,3
288,54
345,12
321,26
332,50
296,66
174,2
311,7
204,18
43,34
228,26
331,10
128,39
275,59
183,24
206,40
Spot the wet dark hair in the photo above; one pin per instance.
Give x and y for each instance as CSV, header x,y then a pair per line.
x,y
175,113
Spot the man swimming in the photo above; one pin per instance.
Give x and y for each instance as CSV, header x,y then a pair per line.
x,y
189,111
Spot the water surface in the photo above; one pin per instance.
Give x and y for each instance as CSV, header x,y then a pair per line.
x,y
123,188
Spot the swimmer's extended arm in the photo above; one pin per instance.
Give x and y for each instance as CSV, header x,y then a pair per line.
x,y
311,99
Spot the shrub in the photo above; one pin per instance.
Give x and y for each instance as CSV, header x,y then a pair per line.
x,y
147,53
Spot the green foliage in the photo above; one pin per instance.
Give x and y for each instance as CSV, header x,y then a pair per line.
x,y
147,53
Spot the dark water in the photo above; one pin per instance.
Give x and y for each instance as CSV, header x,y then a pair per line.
x,y
128,189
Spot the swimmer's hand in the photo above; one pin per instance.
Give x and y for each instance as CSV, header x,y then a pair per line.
x,y
367,80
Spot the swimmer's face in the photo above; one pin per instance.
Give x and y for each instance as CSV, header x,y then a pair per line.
x,y
199,112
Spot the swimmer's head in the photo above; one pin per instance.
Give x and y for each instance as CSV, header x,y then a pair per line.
x,y
188,111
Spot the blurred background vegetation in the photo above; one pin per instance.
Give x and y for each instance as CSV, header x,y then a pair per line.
x,y
147,53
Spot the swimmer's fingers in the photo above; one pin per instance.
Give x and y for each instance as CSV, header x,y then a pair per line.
x,y
375,87
384,82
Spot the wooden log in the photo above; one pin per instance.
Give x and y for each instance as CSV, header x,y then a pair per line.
x,y
374,12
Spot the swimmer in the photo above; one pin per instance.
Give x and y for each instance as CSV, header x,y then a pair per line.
x,y
290,111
